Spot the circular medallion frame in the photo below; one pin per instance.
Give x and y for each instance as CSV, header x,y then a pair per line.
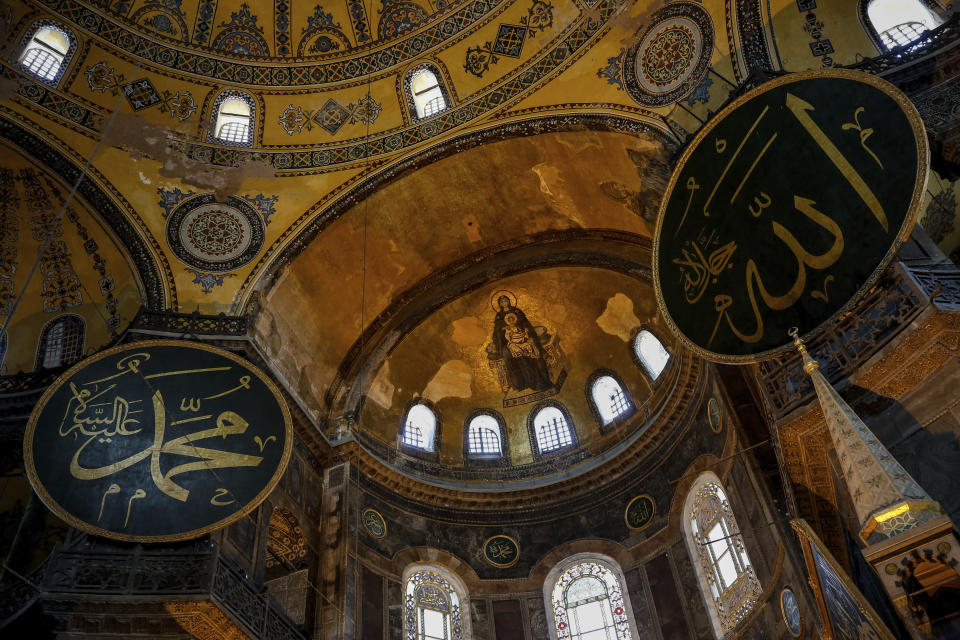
x,y
215,236
373,515
506,540
714,415
914,121
790,612
644,522
653,74
67,377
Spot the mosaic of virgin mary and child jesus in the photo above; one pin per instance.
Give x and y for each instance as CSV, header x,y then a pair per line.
x,y
526,359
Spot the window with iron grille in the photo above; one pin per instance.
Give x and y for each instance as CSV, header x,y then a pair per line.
x,y
234,113
419,428
588,601
900,22
651,353
426,93
46,51
552,430
61,342
609,399
483,436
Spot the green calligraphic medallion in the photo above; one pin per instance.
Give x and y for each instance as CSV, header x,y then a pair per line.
x,y
639,512
785,209
157,441
374,523
501,551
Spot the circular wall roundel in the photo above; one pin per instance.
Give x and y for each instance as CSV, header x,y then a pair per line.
x,y
671,58
215,236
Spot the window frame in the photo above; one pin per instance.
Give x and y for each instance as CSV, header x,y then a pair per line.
x,y
454,584
486,459
569,563
20,52
222,97
651,381
411,450
40,355
532,431
721,624
874,34
443,81
606,427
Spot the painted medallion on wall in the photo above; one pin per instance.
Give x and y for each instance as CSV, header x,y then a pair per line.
x,y
157,441
785,208
714,415
525,358
374,523
791,612
639,512
671,58
215,236
501,551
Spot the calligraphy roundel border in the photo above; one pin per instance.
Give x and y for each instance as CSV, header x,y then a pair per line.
x,y
501,536
67,517
714,415
383,522
797,630
913,212
653,512
240,215
689,19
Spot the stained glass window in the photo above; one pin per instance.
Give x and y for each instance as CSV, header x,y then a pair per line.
x,y
651,353
727,579
588,604
45,54
900,22
61,342
609,399
419,428
427,96
483,436
551,429
432,608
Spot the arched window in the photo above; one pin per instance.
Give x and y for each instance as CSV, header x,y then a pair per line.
x,y
434,604
651,353
235,112
426,95
900,22
727,579
419,428
484,437
552,430
586,599
609,399
46,51
61,342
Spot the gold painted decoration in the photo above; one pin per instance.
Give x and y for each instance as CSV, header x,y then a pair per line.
x,y
790,611
714,415
639,512
501,551
157,441
374,523
785,209
286,544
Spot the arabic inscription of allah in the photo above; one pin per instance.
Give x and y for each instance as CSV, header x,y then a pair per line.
x,y
158,441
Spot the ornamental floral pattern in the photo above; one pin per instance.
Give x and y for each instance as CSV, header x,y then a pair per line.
x,y
614,593
429,590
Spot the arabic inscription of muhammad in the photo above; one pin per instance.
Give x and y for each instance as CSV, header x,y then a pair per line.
x,y
785,208
501,551
157,441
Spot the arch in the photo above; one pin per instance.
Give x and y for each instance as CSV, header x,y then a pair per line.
x,y
895,23
609,401
61,342
726,578
484,438
46,50
425,91
420,428
650,353
585,596
551,429
232,117
287,563
435,601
